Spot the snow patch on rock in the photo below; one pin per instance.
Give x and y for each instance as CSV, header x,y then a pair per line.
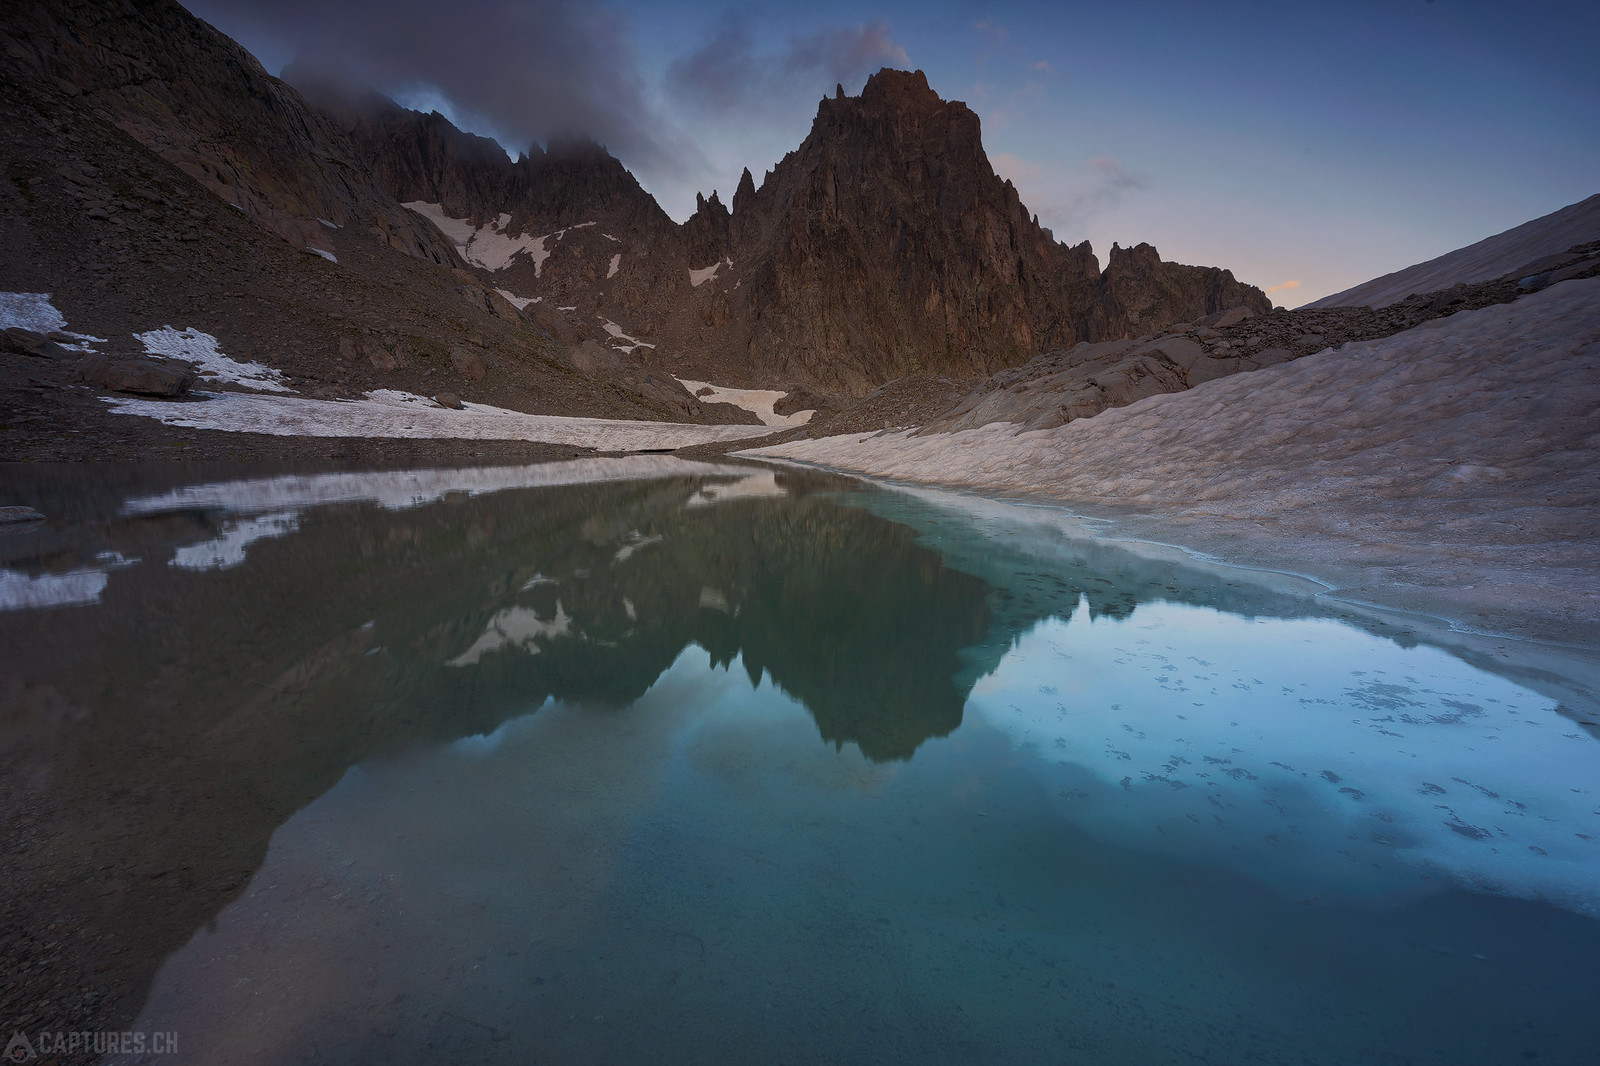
x,y
193,346
34,311
490,247
759,402
705,274
519,302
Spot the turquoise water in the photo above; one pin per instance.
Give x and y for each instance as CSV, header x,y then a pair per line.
x,y
707,764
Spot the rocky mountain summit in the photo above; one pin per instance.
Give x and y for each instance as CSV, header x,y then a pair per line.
x,y
159,177
884,245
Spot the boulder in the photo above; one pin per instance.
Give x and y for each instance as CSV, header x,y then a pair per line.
x,y
26,341
378,355
14,519
593,359
141,376
468,363
450,400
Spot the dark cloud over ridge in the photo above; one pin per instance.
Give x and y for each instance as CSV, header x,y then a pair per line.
x,y
527,70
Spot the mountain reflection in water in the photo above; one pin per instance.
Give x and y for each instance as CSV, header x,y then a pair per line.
x,y
221,654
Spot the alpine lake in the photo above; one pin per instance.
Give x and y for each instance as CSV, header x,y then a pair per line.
x,y
645,760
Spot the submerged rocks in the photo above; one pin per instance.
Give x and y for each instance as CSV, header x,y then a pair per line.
x,y
18,519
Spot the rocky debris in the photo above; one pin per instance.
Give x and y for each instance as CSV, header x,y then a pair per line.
x,y
450,400
1579,261
27,342
17,519
141,376
593,359
468,363
379,356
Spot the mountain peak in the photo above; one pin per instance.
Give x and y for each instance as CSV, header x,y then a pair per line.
x,y
895,85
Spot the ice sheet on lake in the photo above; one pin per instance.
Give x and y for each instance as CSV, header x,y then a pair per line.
x,y
191,345
401,489
1253,745
1450,467
388,413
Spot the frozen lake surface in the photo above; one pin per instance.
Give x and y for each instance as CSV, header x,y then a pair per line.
x,y
647,760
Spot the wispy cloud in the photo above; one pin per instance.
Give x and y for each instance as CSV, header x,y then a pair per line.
x,y
729,76
1065,200
1283,286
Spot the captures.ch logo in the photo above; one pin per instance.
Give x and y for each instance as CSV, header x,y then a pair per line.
x,y
19,1049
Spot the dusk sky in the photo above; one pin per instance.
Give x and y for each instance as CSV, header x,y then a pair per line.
x,y
1308,147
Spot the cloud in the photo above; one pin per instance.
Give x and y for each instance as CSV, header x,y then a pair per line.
x,y
1065,200
525,71
1284,286
728,75
1016,170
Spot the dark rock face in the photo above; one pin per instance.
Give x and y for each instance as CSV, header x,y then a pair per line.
x,y
884,245
205,105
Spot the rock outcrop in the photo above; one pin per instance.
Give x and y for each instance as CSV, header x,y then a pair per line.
x,y
204,104
884,245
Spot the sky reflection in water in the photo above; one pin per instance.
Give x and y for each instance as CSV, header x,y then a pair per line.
x,y
705,765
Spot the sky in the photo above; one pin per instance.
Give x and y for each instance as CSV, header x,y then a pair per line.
x,y
1307,147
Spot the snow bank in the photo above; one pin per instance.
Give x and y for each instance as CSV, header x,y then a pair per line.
x,y
759,402
387,413
199,348
1486,260
1447,469
34,311
616,264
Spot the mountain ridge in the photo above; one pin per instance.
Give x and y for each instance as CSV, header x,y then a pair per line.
x,y
884,244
